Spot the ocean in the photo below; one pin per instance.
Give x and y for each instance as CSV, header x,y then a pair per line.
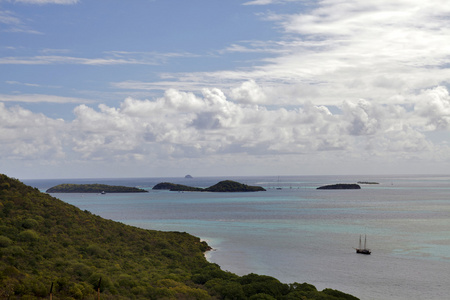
x,y
297,233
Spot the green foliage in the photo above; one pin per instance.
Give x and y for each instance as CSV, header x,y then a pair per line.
x,y
233,186
28,235
340,186
93,188
220,187
29,223
339,295
261,296
176,187
257,284
226,289
5,241
44,240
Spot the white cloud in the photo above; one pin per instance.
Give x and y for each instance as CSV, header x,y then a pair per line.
x,y
41,2
359,81
47,60
12,82
211,129
14,23
26,135
434,106
111,58
40,98
266,2
8,17
259,2
249,92
382,51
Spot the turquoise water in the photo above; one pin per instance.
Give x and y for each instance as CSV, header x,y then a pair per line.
x,y
300,234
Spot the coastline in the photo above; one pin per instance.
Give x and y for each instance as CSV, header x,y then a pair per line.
x,y
300,235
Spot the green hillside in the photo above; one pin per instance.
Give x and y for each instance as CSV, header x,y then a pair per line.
x,y
44,241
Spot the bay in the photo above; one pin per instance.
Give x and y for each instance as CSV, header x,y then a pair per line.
x,y
297,233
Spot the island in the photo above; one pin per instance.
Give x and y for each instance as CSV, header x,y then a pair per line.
x,y
340,186
93,188
176,187
188,176
225,186
367,182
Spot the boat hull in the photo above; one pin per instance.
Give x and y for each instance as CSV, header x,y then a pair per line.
x,y
363,251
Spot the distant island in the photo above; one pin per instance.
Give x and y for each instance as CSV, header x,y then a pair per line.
x,y
367,182
93,188
340,186
188,176
225,186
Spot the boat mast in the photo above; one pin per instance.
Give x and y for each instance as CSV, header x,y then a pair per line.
x,y
365,242
359,242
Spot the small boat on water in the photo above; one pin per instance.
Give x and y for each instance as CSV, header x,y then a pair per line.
x,y
362,250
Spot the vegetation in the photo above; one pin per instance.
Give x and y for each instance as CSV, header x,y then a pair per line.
x,y
340,186
222,187
45,243
93,188
176,187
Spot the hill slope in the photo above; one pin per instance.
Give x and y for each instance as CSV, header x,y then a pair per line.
x,y
44,240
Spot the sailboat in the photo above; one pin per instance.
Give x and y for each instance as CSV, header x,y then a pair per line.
x,y
364,250
278,188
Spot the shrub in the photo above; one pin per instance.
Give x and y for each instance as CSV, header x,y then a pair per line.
x,y
96,278
255,284
4,241
28,235
5,186
81,270
97,251
339,294
126,281
261,296
15,251
29,223
171,254
226,289
304,287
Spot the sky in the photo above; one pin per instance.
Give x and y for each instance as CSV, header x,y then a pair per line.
x,y
156,88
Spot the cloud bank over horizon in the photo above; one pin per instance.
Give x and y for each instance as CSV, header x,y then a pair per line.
x,y
183,126
335,87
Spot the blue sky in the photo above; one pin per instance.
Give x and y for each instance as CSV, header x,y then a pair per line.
x,y
212,88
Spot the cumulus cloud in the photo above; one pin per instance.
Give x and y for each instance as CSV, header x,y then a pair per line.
x,y
434,106
26,135
182,124
249,92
